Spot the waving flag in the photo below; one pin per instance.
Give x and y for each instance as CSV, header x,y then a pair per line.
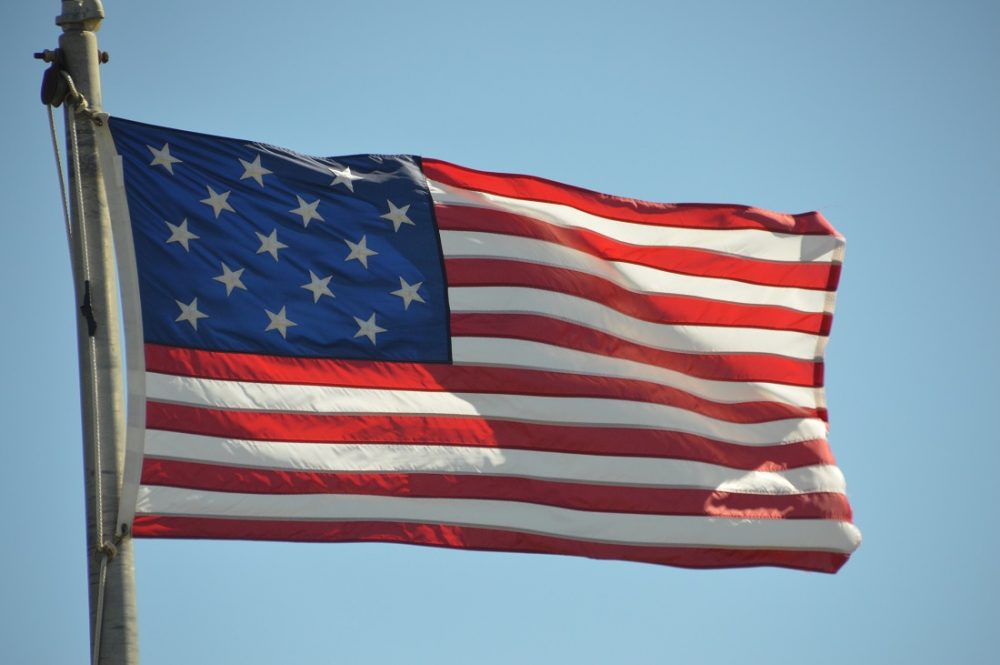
x,y
390,348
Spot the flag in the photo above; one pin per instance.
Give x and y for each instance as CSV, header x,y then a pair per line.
x,y
398,349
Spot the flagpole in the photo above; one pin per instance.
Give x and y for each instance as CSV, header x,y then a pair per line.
x,y
110,568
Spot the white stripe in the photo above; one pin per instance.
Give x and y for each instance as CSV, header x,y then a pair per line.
x,y
292,398
637,278
128,282
754,243
669,337
523,354
622,528
567,467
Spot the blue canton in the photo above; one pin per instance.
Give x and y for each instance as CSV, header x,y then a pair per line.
x,y
246,247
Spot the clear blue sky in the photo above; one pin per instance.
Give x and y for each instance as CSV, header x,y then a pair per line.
x,y
882,115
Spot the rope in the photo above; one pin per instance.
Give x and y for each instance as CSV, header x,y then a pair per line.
x,y
92,344
80,103
102,578
107,550
62,179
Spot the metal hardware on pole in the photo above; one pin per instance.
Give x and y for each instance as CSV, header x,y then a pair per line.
x,y
110,567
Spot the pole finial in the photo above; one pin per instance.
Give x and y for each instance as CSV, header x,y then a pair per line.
x,y
81,15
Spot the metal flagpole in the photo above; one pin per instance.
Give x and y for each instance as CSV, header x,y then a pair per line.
x,y
114,637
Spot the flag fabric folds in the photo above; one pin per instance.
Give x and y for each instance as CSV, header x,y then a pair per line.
x,y
389,348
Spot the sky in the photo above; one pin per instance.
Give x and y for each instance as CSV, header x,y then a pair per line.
x,y
883,116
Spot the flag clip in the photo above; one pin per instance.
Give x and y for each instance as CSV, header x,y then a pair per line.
x,y
88,311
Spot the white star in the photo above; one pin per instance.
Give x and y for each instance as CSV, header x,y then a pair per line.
x,y
190,313
162,157
397,215
279,322
319,287
181,234
254,170
270,244
408,292
368,328
360,251
231,278
217,201
344,177
307,211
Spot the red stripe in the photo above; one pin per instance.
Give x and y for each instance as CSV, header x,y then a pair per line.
x,y
473,538
450,378
654,307
424,430
682,260
718,367
687,215
580,496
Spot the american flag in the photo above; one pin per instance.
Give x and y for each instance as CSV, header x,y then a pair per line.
x,y
389,348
